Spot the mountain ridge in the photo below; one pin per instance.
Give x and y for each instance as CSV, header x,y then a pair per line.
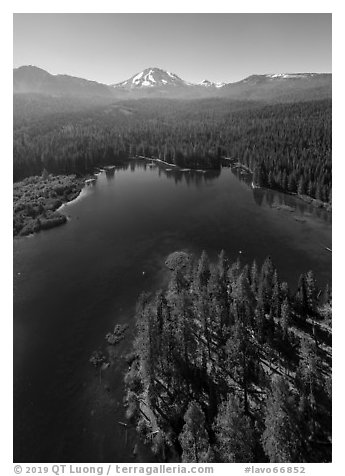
x,y
157,82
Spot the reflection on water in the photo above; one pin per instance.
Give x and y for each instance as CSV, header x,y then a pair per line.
x,y
110,174
272,198
177,174
75,282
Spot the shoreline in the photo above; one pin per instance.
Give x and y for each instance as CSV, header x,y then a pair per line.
x,y
178,168
156,160
236,164
78,197
314,202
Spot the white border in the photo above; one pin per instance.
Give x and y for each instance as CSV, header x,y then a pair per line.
x,y
64,6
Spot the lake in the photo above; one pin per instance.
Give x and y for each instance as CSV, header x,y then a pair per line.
x,y
73,283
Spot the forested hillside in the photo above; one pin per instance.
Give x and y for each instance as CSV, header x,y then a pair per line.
x,y
230,366
287,146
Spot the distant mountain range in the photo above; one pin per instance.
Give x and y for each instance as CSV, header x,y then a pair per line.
x,y
155,82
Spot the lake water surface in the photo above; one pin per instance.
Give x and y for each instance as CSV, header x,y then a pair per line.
x,y
72,284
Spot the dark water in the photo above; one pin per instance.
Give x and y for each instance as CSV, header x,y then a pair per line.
x,y
73,283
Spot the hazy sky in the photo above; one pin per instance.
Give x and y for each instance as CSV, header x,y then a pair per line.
x,y
220,47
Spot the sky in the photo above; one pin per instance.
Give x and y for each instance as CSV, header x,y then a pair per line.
x,y
228,47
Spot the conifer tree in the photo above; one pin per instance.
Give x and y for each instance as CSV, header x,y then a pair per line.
x,y
235,440
194,438
240,353
301,186
254,277
203,272
285,317
311,292
223,265
276,295
301,296
281,439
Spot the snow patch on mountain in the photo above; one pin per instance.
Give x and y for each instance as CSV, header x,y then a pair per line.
x,y
210,84
151,78
136,78
289,75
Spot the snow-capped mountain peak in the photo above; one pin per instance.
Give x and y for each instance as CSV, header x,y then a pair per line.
x,y
156,77
151,77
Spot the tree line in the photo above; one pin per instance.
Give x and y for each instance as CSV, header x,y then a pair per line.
x,y
229,365
288,146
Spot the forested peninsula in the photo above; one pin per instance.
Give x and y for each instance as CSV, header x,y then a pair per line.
x,y
36,200
229,365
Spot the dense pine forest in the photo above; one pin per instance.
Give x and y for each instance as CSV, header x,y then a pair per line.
x,y
287,146
230,365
